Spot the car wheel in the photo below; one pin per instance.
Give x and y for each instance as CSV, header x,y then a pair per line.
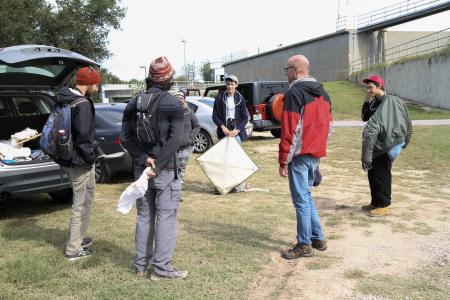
x,y
102,171
276,132
202,142
62,196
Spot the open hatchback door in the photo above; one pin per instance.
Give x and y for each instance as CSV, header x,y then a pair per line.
x,y
38,66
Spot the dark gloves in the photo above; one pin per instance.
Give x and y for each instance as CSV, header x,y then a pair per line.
x,y
366,166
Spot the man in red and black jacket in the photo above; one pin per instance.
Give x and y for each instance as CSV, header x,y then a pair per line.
x,y
305,126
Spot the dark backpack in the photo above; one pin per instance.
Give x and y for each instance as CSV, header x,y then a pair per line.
x,y
56,138
147,129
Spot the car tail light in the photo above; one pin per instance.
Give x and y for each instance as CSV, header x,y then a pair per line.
x,y
118,141
260,112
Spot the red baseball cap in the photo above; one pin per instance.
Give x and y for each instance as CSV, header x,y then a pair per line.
x,y
376,79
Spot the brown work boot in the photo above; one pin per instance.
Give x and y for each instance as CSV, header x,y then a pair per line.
x,y
367,207
320,245
296,251
141,274
379,211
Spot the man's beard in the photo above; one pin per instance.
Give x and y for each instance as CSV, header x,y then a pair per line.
x,y
89,92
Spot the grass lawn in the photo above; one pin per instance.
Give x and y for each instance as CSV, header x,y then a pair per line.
x,y
224,241
347,99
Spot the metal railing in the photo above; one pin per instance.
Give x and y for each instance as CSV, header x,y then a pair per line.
x,y
234,56
395,11
434,42
176,85
345,22
386,13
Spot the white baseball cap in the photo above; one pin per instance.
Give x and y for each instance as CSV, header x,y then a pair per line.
x,y
232,78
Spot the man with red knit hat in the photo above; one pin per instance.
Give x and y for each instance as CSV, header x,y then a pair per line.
x,y
156,111
80,167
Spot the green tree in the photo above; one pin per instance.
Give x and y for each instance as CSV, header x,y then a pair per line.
x,y
78,25
136,81
20,21
110,78
205,71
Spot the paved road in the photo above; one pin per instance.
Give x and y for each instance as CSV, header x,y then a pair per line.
x,y
414,122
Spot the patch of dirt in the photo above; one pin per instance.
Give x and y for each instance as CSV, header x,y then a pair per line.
x,y
268,148
377,247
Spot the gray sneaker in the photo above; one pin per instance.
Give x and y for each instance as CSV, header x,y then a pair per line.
x,y
175,274
86,243
81,254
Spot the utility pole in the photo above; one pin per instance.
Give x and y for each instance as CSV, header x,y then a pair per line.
x,y
184,54
145,71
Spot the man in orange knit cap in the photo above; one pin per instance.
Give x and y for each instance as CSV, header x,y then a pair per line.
x,y
81,167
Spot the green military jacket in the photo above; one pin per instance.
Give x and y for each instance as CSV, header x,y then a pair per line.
x,y
390,125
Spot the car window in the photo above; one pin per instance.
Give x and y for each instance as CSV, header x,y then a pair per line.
x,y
208,102
193,93
114,116
212,93
30,106
193,107
3,109
44,70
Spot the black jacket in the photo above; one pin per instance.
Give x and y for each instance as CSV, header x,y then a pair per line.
x,y
191,127
83,128
369,108
220,114
170,122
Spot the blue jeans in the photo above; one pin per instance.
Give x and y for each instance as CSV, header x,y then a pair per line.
x,y
301,177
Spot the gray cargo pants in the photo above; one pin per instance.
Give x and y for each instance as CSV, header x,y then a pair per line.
x,y
83,186
156,225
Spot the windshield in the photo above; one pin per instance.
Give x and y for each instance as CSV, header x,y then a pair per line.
x,y
114,116
44,70
208,102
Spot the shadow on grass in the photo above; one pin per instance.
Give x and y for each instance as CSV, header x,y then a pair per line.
x,y
37,204
123,177
230,233
196,186
261,138
29,230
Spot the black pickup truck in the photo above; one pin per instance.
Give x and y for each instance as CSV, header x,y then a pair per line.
x,y
259,96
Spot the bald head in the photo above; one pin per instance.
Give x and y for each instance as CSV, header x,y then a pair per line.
x,y
297,67
301,63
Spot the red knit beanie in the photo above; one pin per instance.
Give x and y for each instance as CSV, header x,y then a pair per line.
x,y
88,76
160,70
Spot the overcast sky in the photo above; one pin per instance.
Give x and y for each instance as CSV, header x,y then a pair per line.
x,y
214,29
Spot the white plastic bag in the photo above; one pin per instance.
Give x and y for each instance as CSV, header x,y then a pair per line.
x,y
134,191
10,152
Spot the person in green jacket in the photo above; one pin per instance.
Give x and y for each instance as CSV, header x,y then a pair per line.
x,y
387,131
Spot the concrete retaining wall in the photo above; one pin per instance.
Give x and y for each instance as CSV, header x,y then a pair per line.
x,y
424,81
328,56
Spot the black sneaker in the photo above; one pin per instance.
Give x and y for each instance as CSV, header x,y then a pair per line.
x,y
81,254
175,274
86,243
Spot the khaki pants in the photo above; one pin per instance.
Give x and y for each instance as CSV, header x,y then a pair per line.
x,y
83,186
